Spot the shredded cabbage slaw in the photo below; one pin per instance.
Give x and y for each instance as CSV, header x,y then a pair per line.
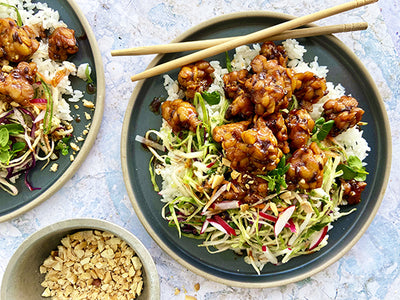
x,y
274,230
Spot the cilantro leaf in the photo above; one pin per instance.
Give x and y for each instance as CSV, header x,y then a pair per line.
x,y
324,130
353,169
211,98
321,129
276,178
4,156
87,74
8,149
13,128
4,137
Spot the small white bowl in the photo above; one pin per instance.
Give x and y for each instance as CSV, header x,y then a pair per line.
x,y
22,278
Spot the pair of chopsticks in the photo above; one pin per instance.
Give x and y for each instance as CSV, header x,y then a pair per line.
x,y
216,46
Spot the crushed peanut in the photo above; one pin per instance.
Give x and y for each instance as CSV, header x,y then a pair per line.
x,y
244,207
54,167
235,174
287,197
226,162
7,69
217,180
88,104
92,265
306,206
74,146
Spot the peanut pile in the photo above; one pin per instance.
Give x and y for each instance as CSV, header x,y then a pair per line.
x,y
92,265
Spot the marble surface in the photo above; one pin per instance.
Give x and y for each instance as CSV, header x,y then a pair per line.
x,y
370,270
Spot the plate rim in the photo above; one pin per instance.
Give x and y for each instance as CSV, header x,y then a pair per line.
x,y
152,233
94,127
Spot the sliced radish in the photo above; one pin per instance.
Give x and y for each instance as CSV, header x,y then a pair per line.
x,y
224,205
40,116
283,218
290,224
217,225
204,227
301,229
317,237
210,164
210,213
267,216
38,100
224,225
268,254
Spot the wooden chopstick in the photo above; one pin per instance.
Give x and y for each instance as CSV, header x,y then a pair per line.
x,y
203,44
250,38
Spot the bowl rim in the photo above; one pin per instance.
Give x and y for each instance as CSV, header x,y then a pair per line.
x,y
94,128
85,224
159,241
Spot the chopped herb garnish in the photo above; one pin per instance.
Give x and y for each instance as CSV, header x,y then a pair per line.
x,y
321,129
276,177
13,128
211,98
87,73
4,136
63,146
90,87
353,169
8,150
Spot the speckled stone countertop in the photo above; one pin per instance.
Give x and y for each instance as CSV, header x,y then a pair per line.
x,y
370,270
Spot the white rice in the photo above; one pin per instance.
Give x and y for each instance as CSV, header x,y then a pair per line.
x,y
243,57
354,143
294,50
81,72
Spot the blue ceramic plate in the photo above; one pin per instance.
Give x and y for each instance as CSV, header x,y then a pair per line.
x,y
228,268
50,182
